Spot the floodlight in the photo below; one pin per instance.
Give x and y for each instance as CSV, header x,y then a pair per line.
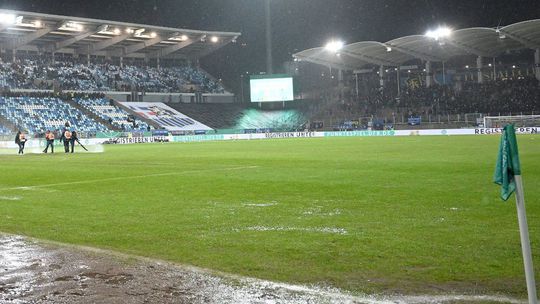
x,y
7,18
153,34
37,23
388,49
439,33
117,31
184,37
334,46
214,39
129,31
466,66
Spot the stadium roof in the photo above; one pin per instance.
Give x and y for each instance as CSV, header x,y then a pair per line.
x,y
478,41
53,33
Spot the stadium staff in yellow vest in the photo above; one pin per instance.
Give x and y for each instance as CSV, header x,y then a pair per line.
x,y
49,137
20,140
66,138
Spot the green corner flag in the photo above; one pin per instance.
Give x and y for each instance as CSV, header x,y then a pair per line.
x,y
508,175
507,163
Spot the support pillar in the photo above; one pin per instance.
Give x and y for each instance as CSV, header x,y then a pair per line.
x,y
398,74
121,62
357,91
381,76
429,75
537,64
479,69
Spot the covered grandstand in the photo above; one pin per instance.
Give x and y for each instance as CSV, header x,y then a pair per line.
x,y
44,33
57,68
443,78
432,47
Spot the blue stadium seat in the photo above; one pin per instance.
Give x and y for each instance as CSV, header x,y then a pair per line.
x,y
37,115
109,112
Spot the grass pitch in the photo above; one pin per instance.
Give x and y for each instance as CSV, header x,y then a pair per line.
x,y
408,214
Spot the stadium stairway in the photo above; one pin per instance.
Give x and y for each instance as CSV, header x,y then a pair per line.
x,y
92,115
7,124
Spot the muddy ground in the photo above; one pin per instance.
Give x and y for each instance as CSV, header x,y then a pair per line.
x,y
36,272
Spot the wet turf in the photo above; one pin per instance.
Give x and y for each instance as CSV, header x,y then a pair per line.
x,y
409,215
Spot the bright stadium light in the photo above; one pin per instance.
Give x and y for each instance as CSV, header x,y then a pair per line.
x,y
153,34
439,33
129,31
7,18
334,46
214,39
184,37
117,31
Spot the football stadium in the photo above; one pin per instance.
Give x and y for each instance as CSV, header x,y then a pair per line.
x,y
358,171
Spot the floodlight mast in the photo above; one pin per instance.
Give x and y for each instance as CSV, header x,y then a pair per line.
x,y
334,46
269,63
437,34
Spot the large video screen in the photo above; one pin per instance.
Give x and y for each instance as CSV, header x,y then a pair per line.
x,y
271,89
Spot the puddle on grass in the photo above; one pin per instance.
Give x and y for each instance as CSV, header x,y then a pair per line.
x,y
331,230
34,272
10,198
250,204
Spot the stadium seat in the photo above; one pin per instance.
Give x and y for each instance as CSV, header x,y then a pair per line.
x,y
34,74
109,112
37,115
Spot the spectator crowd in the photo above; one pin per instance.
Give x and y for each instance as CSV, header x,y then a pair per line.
x,y
521,95
34,73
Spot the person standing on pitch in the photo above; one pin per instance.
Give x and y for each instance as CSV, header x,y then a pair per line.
x,y
49,137
20,140
66,138
73,139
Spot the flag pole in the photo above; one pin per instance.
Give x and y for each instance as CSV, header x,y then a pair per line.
x,y
525,242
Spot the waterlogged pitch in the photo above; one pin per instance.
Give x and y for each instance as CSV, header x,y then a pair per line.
x,y
407,215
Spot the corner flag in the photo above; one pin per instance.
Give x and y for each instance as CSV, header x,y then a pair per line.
x,y
507,163
508,175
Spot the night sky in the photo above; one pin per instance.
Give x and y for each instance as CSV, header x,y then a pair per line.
x,y
298,24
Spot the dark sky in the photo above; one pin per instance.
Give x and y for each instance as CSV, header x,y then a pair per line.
x,y
298,24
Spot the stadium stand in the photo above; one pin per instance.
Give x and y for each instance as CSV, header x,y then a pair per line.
x,y
71,75
279,120
5,130
234,116
216,116
501,96
39,114
110,112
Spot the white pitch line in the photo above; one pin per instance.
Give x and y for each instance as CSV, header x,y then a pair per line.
x,y
124,178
